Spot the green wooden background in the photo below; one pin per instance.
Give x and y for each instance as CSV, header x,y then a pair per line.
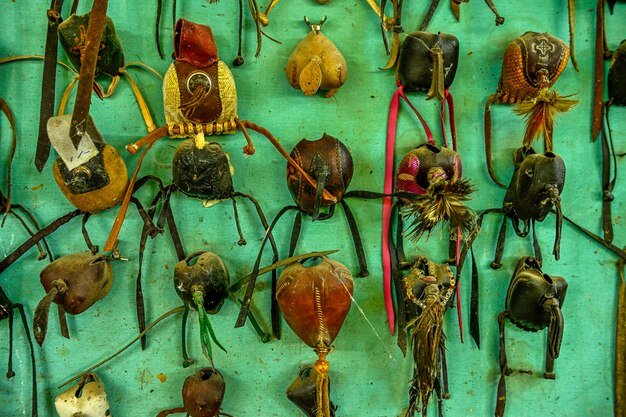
x,y
369,375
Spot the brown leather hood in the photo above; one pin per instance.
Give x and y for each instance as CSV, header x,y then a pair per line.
x,y
194,44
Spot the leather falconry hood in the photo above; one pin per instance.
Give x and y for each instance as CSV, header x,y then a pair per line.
x,y
329,162
194,44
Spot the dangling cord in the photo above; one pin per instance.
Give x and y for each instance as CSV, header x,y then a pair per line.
x,y
397,30
397,256
472,235
571,7
206,330
555,335
295,233
429,15
9,310
242,240
497,260
608,183
121,214
48,83
457,257
444,371
474,303
143,106
356,238
42,253
383,23
322,383
387,203
536,246
9,114
492,6
388,188
448,99
187,361
92,248
173,13
156,28
32,359
129,344
10,373
620,344
148,230
559,223
488,137
504,368
238,61
275,311
40,323
598,72
34,239
243,312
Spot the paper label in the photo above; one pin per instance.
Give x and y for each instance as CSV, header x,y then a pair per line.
x,y
59,134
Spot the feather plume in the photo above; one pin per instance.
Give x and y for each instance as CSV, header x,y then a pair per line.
x,y
427,338
442,203
540,113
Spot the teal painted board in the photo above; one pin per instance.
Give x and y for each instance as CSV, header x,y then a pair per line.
x,y
369,374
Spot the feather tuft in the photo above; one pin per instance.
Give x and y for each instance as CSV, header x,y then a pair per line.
x,y
427,339
540,112
442,203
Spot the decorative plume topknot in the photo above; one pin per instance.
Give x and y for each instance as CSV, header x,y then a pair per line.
x,y
540,113
442,203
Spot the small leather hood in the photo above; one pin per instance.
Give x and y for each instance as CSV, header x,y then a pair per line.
x,y
194,44
416,60
326,159
538,179
205,271
202,172
414,169
528,292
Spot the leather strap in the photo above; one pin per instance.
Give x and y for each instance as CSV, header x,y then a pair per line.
x,y
536,246
48,84
488,138
504,369
156,28
295,233
356,238
571,8
396,274
475,303
608,184
392,123
611,247
6,202
447,99
245,305
34,239
497,259
620,345
9,307
275,311
431,12
598,72
89,59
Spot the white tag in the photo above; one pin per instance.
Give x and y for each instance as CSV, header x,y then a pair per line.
x,y
59,134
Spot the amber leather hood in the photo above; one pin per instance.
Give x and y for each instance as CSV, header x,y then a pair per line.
x,y
194,44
